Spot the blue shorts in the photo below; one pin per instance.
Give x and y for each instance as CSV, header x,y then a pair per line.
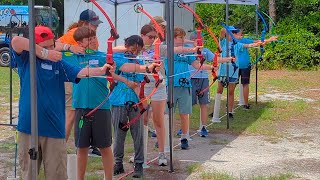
x,y
159,95
231,79
198,84
183,99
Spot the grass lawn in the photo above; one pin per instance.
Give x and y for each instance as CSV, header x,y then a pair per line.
x,y
263,118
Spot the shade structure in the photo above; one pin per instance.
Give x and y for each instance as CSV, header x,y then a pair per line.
x,y
240,2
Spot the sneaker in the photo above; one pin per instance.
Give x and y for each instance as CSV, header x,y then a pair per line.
x,y
118,169
210,115
156,145
153,134
94,152
231,115
246,107
203,132
162,160
216,120
131,160
138,170
179,132
184,144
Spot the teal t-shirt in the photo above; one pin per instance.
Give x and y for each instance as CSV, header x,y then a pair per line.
x,y
209,56
244,56
121,92
181,69
90,92
223,66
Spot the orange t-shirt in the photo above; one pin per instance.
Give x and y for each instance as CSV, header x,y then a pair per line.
x,y
68,37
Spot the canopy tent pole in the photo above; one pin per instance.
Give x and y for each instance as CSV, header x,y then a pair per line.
x,y
169,7
50,14
227,55
115,19
33,152
256,56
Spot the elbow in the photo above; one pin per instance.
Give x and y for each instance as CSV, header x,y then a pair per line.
x,y
15,40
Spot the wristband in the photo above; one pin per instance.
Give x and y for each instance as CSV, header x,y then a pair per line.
x,y
44,53
147,69
66,47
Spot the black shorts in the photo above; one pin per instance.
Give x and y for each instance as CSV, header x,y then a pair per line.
x,y
244,74
96,130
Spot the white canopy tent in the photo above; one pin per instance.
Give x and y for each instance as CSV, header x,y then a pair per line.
x,y
127,21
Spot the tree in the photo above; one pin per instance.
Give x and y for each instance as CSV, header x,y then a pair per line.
x,y
272,11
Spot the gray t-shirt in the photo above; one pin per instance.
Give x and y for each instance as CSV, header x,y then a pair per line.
x,y
148,59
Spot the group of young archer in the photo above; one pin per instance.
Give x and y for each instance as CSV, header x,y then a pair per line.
x,y
93,128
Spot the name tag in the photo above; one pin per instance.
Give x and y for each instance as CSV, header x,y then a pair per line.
x,y
93,62
46,66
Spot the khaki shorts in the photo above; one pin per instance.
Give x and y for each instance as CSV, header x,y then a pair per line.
x,y
68,93
52,152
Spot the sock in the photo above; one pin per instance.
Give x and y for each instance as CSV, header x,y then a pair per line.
x,y
184,136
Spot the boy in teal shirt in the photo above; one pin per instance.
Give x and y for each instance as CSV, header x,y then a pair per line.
x,y
182,84
94,130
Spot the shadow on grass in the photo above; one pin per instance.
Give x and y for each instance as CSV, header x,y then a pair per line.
x,y
254,122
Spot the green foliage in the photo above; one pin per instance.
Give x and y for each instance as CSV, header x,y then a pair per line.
x,y
297,24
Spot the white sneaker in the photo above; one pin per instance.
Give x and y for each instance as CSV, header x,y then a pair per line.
x,y
163,160
131,160
216,120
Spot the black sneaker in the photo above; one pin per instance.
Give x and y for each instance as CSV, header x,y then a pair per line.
x,y
210,115
156,145
246,107
94,152
230,115
118,169
184,144
138,170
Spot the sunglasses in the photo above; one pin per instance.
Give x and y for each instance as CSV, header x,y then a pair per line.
x,y
151,37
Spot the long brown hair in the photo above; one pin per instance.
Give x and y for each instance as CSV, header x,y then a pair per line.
x,y
146,29
80,23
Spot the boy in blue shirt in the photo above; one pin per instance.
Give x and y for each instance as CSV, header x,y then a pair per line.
x,y
50,78
182,84
200,81
244,63
123,99
233,73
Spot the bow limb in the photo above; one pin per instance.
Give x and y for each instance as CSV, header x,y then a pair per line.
x,y
114,35
272,22
202,24
109,57
234,42
139,9
214,73
262,38
199,39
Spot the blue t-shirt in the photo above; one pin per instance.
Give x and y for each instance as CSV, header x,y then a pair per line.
x,y
50,78
223,66
121,92
181,68
209,56
90,92
244,56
